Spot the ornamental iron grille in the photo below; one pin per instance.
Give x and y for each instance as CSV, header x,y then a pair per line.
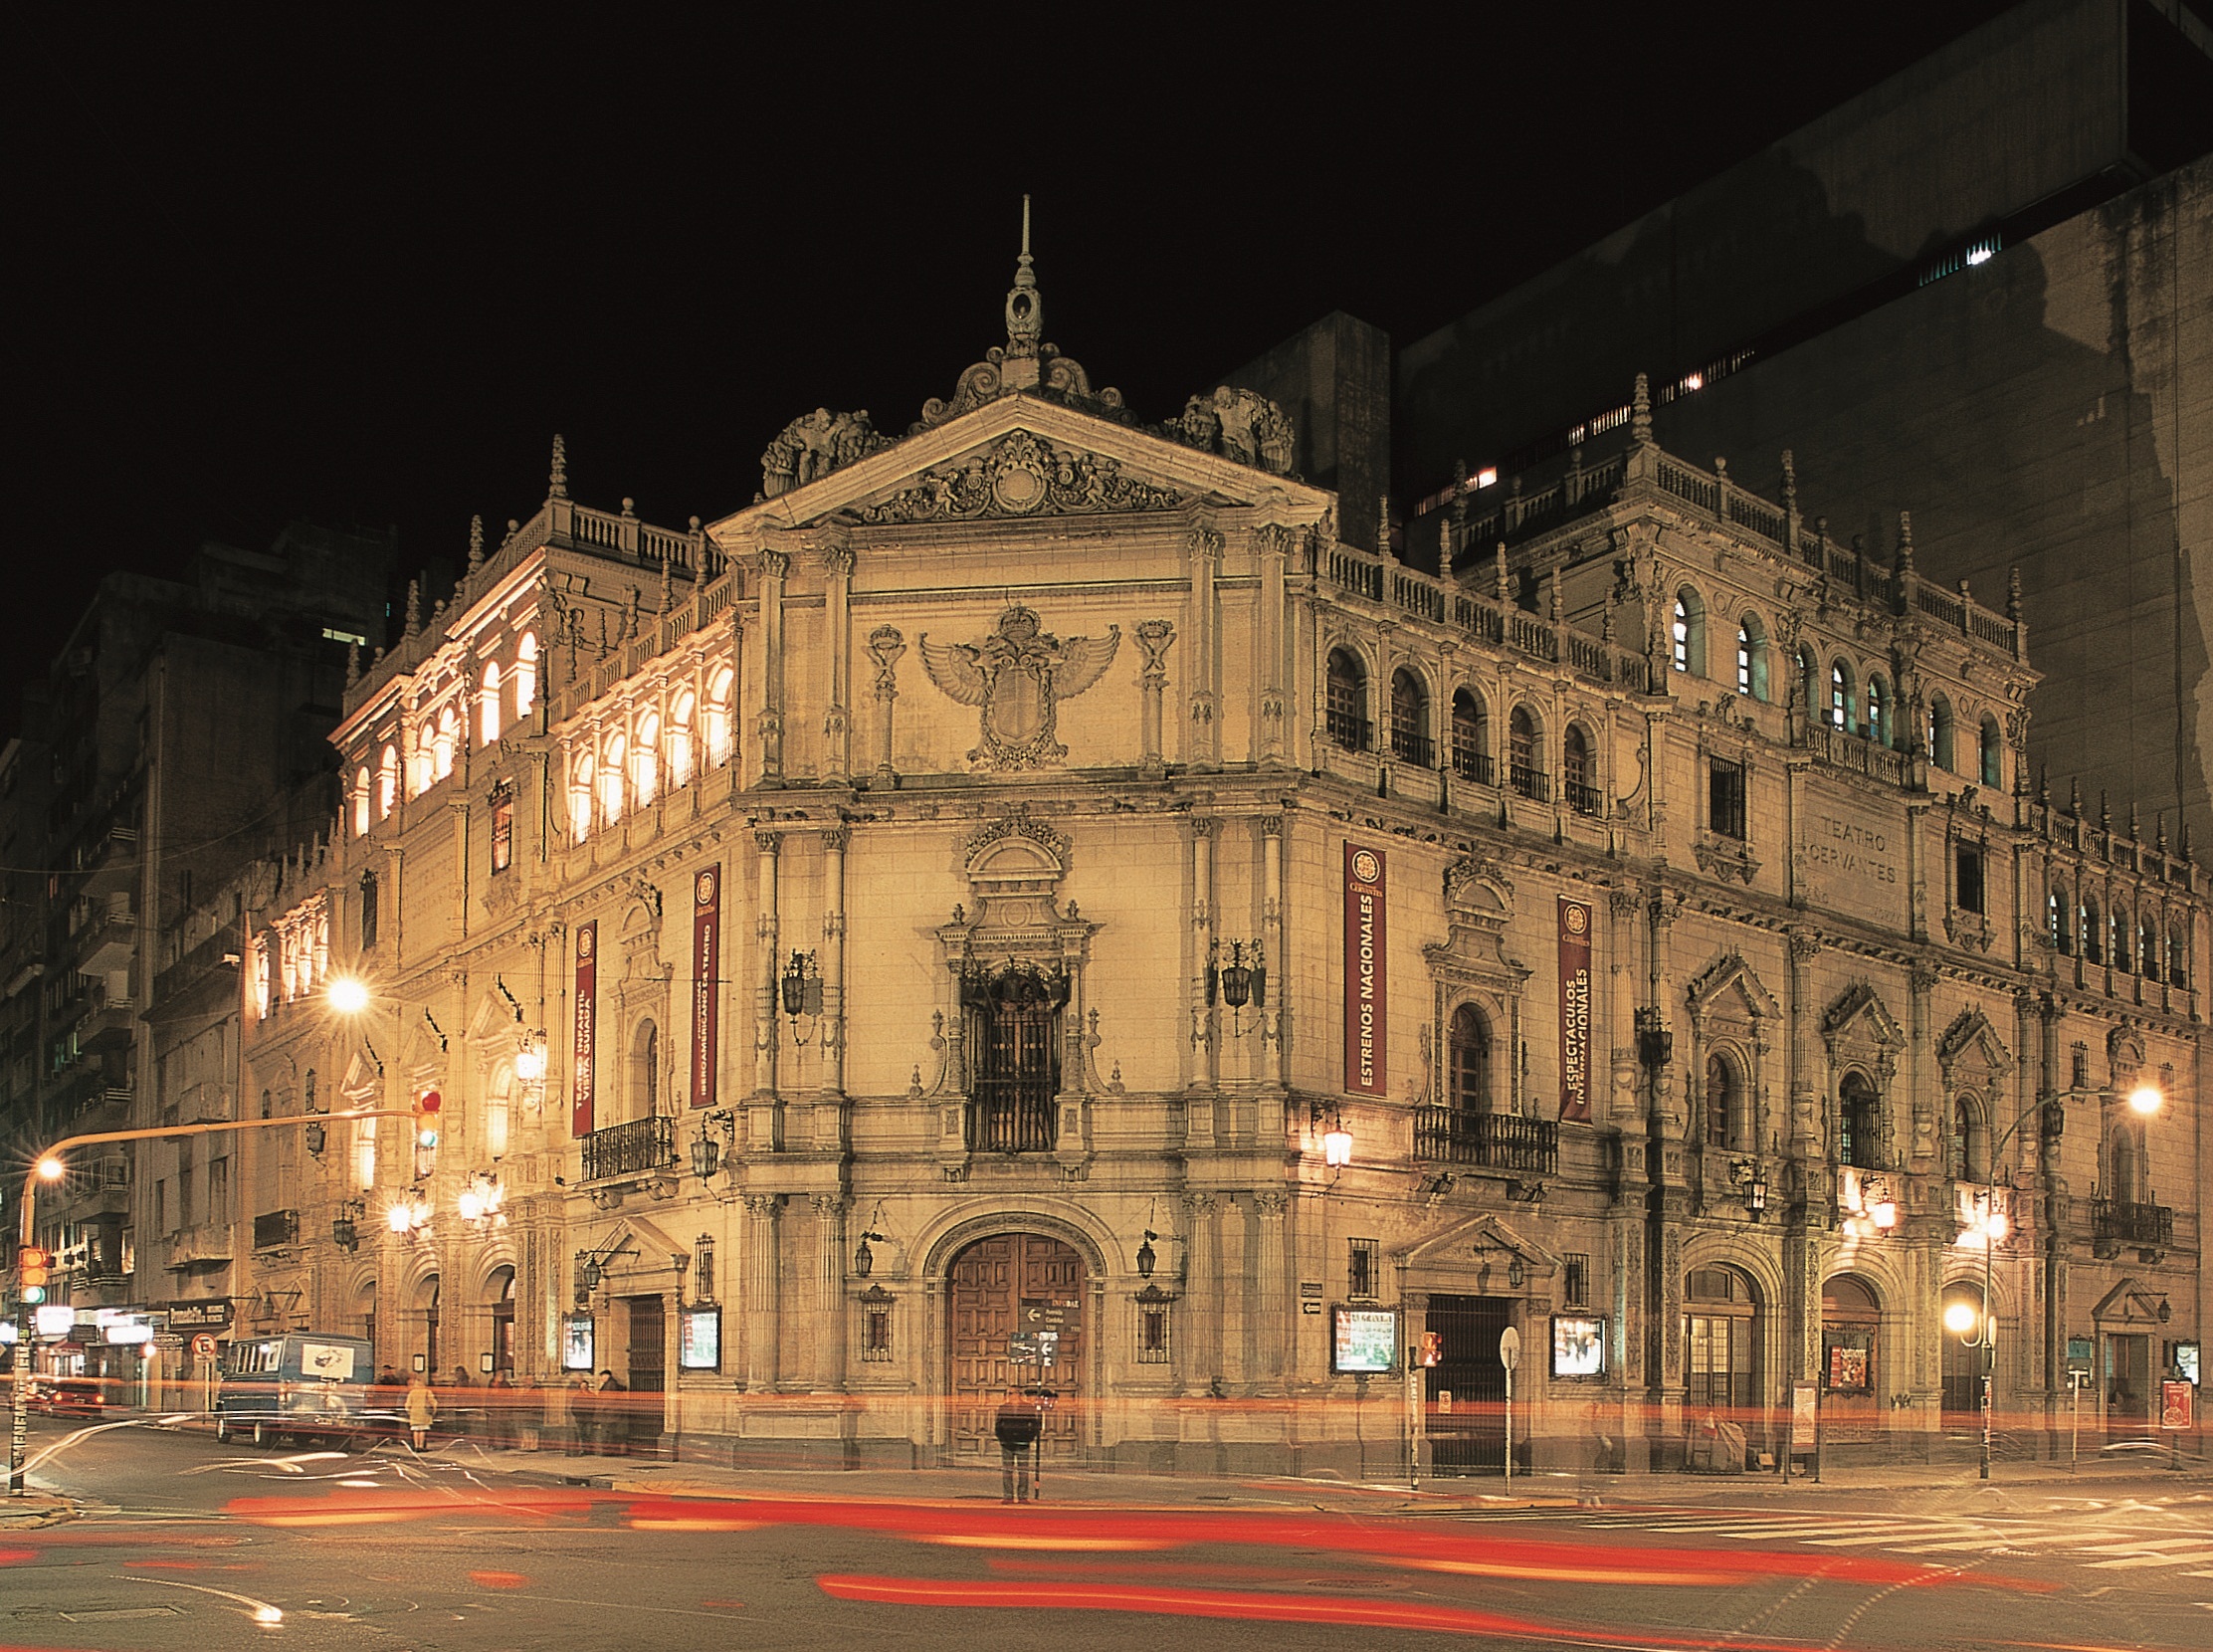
x,y
636,1148
1013,1016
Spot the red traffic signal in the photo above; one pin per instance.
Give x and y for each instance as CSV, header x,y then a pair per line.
x,y
426,1119
1432,1348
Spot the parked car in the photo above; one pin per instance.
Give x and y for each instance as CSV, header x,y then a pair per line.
x,y
67,1396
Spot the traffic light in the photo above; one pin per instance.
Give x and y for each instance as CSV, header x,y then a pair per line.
x,y
1432,1348
426,1119
31,1264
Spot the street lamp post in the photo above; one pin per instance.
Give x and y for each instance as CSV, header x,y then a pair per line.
x,y
48,1166
2145,1099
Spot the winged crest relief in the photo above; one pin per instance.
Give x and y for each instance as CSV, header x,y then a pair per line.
x,y
1018,676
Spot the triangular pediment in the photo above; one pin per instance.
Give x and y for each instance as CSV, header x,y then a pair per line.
x,y
1972,1034
1731,987
1024,455
1464,1245
1860,1011
2128,1304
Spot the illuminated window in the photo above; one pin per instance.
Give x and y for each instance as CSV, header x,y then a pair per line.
x,y
1993,759
680,739
489,714
1751,658
442,748
644,760
1856,1120
2093,930
503,830
526,675
1878,727
361,801
610,779
580,796
2060,930
1687,633
1939,731
387,782
1840,697
717,721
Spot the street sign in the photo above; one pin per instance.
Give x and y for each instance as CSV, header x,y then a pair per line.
x,y
213,1315
1510,1348
2079,1354
2174,1404
203,1346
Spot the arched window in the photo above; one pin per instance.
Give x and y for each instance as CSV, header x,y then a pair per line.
x,y
615,756
1939,731
2147,949
361,801
1471,738
1851,1317
422,762
1878,727
442,748
717,721
644,760
1576,770
2178,956
2117,947
1809,683
1687,633
487,713
1965,1156
1856,1123
680,739
1724,1102
2093,931
645,1071
2124,1167
387,782
526,675
1410,719
1721,1341
1525,755
1840,696
1993,761
2056,919
1346,702
1469,1044
1751,658
580,779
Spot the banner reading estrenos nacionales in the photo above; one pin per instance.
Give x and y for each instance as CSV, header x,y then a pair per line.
x,y
1366,975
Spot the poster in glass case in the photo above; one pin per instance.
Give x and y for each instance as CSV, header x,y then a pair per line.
x,y
1578,1346
699,1346
576,1343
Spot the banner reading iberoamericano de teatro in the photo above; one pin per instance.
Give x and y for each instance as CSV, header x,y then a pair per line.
x,y
1365,976
707,969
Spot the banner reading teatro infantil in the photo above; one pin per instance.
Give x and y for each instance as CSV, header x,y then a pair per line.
x,y
707,970
1365,972
1575,1011
588,1028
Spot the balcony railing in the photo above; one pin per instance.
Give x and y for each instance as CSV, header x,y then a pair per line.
x,y
274,1228
1472,765
1529,780
1012,1118
1581,796
2132,1224
1349,729
637,1149
1496,1140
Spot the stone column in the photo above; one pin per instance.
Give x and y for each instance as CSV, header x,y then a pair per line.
x,y
1921,1078
1275,1016
769,725
1804,1141
1270,1310
837,730
458,806
827,1335
1153,638
1208,1073
829,1132
1270,742
1202,1290
758,1313
1205,546
766,1031
886,646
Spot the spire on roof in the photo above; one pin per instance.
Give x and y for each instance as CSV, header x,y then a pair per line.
x,y
1025,306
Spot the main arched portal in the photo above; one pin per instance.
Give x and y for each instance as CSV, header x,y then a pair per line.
x,y
998,1288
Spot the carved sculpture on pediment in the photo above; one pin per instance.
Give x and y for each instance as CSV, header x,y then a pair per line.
x,y
1241,425
815,444
1018,676
1020,475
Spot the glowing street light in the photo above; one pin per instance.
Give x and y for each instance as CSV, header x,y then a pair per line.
x,y
2145,1099
349,995
51,1168
1960,1316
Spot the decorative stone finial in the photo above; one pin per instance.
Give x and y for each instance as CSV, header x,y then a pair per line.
x,y
1025,306
2105,814
2185,840
353,664
414,606
1790,481
2075,798
1383,525
1504,587
1558,604
2013,594
665,597
1640,412
2135,832
1905,544
1966,592
475,543
2160,821
557,485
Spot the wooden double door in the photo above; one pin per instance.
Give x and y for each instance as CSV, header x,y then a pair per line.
x,y
1013,1284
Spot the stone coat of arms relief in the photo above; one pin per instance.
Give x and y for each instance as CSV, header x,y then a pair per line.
x,y
1017,675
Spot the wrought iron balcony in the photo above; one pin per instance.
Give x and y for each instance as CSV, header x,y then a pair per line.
x,y
1494,1140
2113,1223
1582,797
274,1228
1013,1117
1472,765
1529,780
1348,729
637,1149
1410,746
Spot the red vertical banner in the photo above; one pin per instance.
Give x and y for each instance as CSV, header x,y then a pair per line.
x,y
706,972
588,1028
1365,972
1575,1011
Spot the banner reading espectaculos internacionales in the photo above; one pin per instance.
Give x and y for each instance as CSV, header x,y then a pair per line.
x,y
1575,1009
707,969
1365,972
588,1028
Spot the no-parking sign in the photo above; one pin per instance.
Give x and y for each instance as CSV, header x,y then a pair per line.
x,y
203,1346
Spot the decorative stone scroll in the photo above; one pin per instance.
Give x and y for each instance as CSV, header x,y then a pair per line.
x,y
1022,474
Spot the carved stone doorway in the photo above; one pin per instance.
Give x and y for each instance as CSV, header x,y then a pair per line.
x,y
997,1286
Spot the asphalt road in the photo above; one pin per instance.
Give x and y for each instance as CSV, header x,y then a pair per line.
x,y
184,1544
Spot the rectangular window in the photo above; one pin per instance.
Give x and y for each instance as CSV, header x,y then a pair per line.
x,y
1967,882
368,908
1725,799
1359,1270
1575,1280
502,832
876,1335
1152,1334
219,1188
2079,1069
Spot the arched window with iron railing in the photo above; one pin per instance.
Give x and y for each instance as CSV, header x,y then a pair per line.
x,y
1468,1044
1471,737
1011,1020
1410,719
1578,775
1878,725
1525,755
1857,1114
1724,1102
1346,700
1840,696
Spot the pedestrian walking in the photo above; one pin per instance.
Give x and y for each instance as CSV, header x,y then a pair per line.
x,y
1018,1426
580,1407
500,1412
612,1412
422,1410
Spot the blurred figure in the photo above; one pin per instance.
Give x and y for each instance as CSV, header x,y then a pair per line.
x,y
1018,1426
422,1410
500,1418
459,1418
580,1403
612,1413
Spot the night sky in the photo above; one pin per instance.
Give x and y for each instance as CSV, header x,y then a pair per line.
x,y
360,267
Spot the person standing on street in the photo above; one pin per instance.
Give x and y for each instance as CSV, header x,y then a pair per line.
x,y
422,1410
1016,1425
580,1405
613,1414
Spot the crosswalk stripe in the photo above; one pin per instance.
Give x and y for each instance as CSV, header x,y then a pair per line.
x,y
2153,1561
2141,1545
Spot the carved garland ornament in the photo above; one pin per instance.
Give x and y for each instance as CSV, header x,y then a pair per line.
x,y
1021,476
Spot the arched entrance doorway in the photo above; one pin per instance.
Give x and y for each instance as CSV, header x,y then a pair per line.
x,y
423,1356
1851,1359
1962,1318
499,1292
1013,1283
